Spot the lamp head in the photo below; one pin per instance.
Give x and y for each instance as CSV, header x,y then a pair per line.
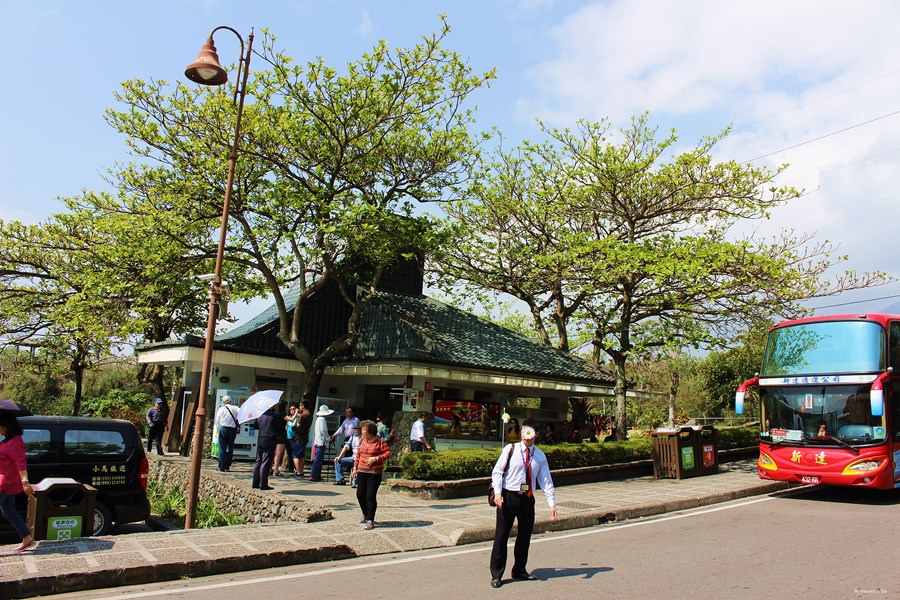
x,y
206,69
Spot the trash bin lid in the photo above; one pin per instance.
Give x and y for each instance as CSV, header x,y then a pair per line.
x,y
49,482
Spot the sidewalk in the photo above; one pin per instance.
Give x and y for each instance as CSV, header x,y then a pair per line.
x,y
402,524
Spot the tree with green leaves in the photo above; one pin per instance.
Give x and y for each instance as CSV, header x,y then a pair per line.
x,y
332,168
47,301
645,242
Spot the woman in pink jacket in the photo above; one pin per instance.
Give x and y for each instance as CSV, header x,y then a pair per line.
x,y
13,477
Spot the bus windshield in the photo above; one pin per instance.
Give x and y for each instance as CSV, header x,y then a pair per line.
x,y
819,415
826,347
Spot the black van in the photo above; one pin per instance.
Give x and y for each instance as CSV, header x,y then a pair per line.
x,y
104,453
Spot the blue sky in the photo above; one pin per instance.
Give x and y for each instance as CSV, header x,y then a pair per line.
x,y
782,72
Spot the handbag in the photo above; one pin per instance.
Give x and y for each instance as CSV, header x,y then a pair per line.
x,y
491,494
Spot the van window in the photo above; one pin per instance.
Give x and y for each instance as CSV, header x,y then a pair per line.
x,y
37,443
93,442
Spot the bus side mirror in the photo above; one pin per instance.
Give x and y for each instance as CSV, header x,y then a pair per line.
x,y
742,392
876,394
876,402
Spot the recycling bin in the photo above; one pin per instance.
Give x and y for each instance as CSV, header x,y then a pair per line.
x,y
61,509
675,453
707,451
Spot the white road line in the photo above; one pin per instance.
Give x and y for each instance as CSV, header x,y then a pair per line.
x,y
148,556
438,555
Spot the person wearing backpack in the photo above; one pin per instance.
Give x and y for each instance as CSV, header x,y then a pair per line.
x,y
227,424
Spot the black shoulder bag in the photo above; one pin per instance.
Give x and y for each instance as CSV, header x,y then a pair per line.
x,y
502,477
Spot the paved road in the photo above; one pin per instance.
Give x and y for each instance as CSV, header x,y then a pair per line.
x,y
811,543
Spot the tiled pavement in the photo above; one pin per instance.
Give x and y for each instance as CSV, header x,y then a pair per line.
x,y
402,524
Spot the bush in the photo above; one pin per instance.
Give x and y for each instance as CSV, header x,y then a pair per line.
x,y
120,404
478,462
171,503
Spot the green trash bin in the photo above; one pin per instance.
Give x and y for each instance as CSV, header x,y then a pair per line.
x,y
675,453
61,509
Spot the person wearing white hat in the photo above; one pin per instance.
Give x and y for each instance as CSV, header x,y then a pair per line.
x,y
519,468
320,441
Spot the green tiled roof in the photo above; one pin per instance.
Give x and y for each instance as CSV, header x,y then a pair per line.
x,y
417,328
399,326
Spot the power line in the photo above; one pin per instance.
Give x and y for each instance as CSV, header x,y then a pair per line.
x,y
856,302
819,99
822,137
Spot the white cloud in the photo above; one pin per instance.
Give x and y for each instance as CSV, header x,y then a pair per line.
x,y
365,27
782,72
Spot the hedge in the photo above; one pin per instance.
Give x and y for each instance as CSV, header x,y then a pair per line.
x,y
478,462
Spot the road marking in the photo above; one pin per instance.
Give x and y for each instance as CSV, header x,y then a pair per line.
x,y
437,555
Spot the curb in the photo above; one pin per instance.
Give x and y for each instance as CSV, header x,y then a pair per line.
x,y
108,578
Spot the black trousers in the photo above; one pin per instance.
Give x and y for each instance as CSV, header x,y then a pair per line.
x,y
519,508
265,453
156,434
366,493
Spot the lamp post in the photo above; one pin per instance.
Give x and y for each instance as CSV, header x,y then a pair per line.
x,y
206,70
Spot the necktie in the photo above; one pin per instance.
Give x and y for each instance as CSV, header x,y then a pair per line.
x,y
528,470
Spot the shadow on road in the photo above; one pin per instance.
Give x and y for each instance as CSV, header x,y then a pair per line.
x,y
847,495
580,572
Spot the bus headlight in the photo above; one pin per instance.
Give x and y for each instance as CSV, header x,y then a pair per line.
x,y
765,462
865,465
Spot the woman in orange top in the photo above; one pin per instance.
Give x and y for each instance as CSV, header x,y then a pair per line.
x,y
368,468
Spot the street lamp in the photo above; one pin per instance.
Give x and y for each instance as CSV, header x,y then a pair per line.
x,y
206,70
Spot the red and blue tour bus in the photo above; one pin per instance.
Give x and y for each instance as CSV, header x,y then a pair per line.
x,y
829,392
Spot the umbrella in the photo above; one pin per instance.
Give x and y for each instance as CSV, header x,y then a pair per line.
x,y
257,404
13,408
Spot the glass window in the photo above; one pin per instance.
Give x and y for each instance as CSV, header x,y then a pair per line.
x,y
895,346
93,442
828,347
37,443
818,414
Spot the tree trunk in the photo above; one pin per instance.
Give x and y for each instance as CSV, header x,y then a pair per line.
x,y
154,376
312,383
673,392
620,390
78,375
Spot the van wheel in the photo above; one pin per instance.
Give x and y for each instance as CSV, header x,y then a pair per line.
x,y
103,519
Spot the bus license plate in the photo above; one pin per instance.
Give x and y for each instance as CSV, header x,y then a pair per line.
x,y
811,479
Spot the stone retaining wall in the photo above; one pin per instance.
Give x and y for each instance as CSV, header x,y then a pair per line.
x,y
253,505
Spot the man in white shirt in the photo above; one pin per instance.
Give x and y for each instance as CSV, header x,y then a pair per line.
x,y
227,425
347,426
417,440
519,469
320,441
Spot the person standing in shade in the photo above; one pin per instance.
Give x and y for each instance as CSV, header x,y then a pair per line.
x,y
14,478
265,449
320,441
348,426
304,424
280,437
368,468
226,422
417,440
383,431
519,468
156,418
